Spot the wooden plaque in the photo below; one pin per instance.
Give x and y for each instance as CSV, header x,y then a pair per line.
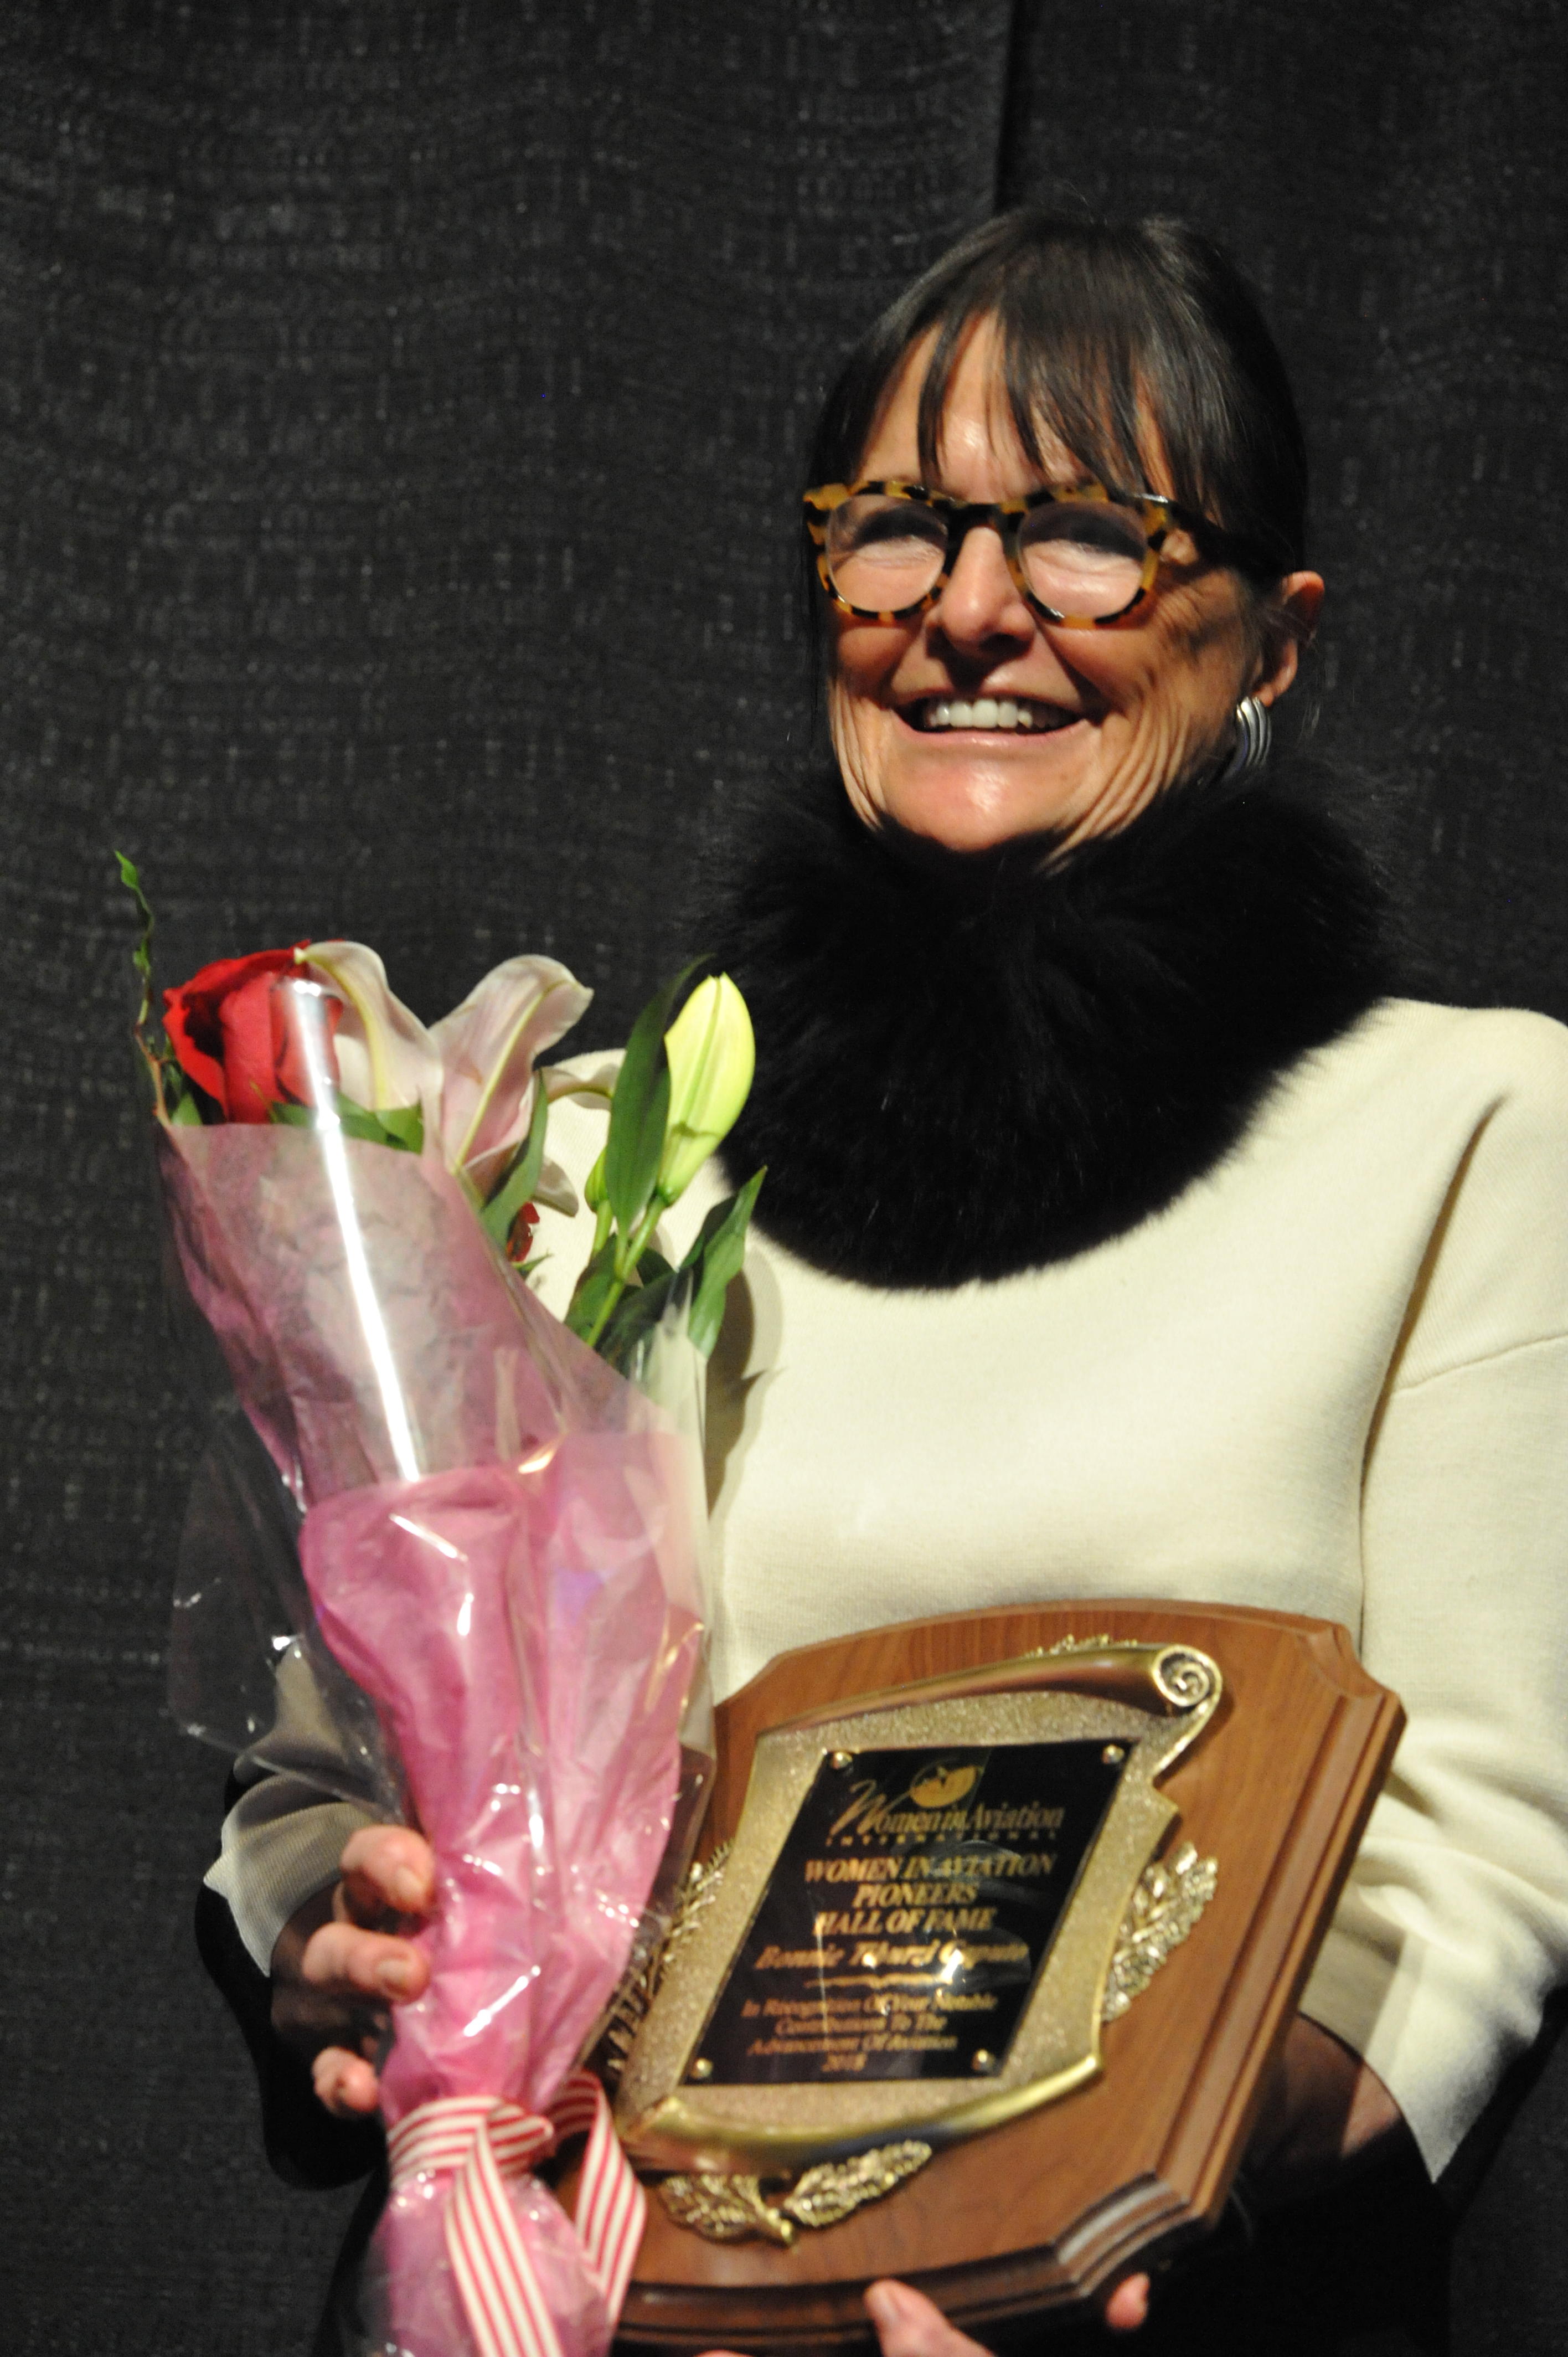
x,y
1127,2155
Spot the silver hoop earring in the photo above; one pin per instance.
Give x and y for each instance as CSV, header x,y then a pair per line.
x,y
1254,733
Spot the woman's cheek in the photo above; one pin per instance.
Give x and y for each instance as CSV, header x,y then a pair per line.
x,y
858,730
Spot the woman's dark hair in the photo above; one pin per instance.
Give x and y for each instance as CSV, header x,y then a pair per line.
x,y
1105,328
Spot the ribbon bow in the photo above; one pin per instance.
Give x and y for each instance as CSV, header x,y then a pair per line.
x,y
485,2140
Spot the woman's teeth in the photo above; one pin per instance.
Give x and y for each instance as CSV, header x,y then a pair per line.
x,y
990,712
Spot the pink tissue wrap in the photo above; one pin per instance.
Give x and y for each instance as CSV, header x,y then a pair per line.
x,y
523,1610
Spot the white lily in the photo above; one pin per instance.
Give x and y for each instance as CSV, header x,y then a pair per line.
x,y
385,1056
487,1048
472,1073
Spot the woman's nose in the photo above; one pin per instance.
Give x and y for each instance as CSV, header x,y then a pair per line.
x,y
982,602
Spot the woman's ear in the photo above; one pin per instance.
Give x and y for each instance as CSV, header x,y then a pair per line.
x,y
1289,619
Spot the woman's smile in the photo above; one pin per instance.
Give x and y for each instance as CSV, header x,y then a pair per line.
x,y
1001,713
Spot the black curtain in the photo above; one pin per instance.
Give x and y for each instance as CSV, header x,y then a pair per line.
x,y
401,409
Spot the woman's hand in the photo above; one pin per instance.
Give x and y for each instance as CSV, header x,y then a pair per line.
x,y
1323,2107
910,2325
339,1963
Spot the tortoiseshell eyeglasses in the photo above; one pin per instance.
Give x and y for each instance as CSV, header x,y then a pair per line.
x,y
1082,556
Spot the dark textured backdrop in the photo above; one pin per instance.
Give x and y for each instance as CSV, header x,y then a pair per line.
x,y
401,407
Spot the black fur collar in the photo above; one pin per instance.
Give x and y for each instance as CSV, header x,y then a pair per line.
x,y
969,1065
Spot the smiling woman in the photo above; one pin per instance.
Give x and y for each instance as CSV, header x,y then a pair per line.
x,y
1121,1237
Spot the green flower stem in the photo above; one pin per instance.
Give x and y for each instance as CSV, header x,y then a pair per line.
x,y
602,1320
641,1237
627,1258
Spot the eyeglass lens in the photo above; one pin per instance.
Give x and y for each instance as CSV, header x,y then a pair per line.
x,y
1082,557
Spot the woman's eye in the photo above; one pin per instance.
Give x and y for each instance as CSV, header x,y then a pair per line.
x,y
1088,533
885,554
1086,562
891,531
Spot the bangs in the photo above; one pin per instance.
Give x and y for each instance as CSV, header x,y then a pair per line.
x,y
1125,345
1076,375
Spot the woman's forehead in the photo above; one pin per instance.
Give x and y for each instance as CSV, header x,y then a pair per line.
x,y
975,427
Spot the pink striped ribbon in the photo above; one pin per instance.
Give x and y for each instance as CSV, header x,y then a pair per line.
x,y
485,2140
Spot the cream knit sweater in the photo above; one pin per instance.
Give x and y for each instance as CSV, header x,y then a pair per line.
x,y
1331,1379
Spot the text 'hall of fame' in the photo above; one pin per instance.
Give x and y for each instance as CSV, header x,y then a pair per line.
x,y
912,1906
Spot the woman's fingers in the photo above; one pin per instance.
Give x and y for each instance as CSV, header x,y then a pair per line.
x,y
346,2084
909,2325
342,1961
386,1871
1128,2305
334,2001
338,1962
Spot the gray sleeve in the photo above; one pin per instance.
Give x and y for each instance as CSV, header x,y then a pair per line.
x,y
307,1790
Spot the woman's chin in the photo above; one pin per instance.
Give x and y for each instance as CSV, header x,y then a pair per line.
x,y
972,804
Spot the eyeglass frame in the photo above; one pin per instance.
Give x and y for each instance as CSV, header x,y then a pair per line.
x,y
1158,514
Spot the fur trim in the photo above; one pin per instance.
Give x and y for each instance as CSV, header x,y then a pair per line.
x,y
974,1064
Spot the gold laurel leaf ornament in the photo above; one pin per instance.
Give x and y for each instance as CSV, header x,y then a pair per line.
x,y
1171,1896
733,2209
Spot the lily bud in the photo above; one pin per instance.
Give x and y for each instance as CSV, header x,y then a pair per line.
x,y
711,1057
594,1189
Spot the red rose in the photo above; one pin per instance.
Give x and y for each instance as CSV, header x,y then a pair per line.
x,y
230,1031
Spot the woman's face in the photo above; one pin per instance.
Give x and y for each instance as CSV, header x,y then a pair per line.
x,y
1117,712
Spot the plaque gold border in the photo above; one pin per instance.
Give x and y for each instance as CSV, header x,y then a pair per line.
x,y
1155,1698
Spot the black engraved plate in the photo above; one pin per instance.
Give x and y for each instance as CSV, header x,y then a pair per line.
x,y
913,1904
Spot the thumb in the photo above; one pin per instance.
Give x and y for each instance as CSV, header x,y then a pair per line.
x,y
909,2325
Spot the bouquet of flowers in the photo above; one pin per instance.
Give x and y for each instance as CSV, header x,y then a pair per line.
x,y
499,1528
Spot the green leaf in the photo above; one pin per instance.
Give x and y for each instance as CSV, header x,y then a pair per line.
x,y
721,1253
355,1122
635,1315
653,1265
392,1128
711,1225
142,955
184,1112
592,1291
405,1124
638,1122
639,1110
521,1177
404,1127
